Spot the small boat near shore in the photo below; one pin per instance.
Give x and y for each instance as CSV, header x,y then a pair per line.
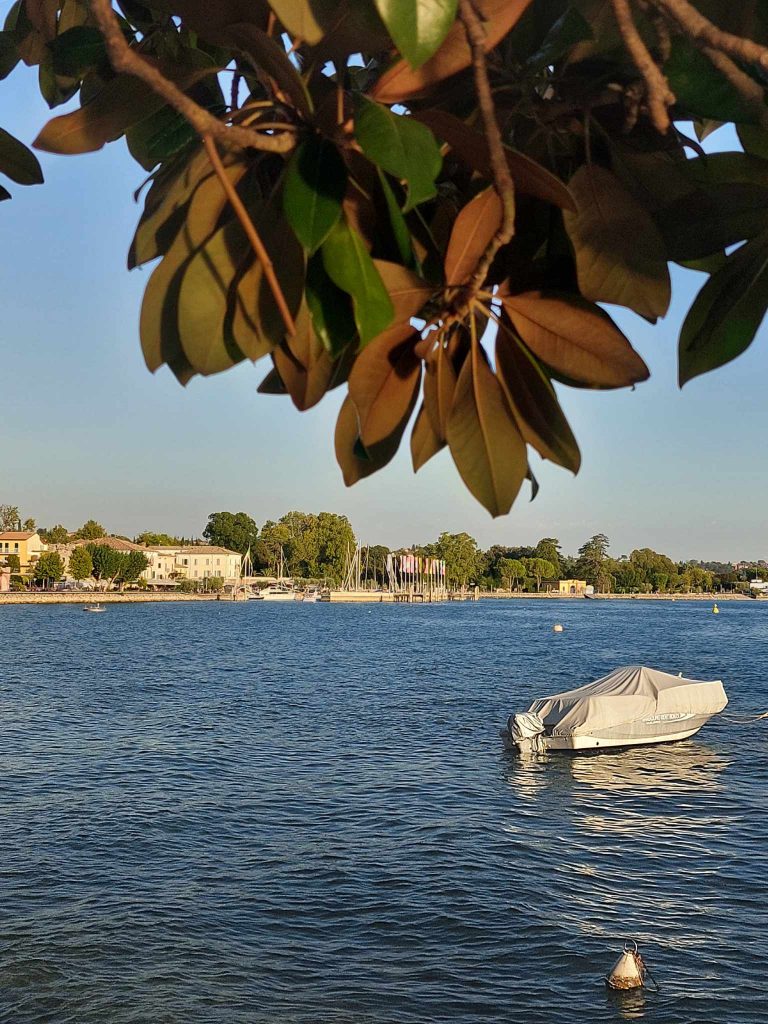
x,y
630,706
94,608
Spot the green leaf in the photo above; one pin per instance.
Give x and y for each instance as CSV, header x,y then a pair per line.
x,y
269,57
400,232
77,50
9,54
569,29
709,220
401,146
158,137
350,266
418,27
315,183
18,162
204,300
754,140
700,89
620,254
725,316
329,307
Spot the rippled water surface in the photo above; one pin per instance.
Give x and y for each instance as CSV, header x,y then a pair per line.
x,y
303,814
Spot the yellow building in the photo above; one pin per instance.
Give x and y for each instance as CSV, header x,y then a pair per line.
x,y
25,544
572,587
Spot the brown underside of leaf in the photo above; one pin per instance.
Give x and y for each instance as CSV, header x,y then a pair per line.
x,y
485,442
347,443
424,441
472,232
384,383
576,338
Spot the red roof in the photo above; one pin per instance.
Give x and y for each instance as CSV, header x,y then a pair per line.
x,y
17,534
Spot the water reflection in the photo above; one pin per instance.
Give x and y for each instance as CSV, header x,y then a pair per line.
x,y
654,771
629,1004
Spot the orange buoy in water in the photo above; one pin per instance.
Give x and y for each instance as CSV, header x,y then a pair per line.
x,y
629,969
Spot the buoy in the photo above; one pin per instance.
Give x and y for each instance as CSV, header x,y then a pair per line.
x,y
557,628
715,610
629,969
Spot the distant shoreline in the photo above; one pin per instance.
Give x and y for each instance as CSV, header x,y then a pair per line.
x,y
340,598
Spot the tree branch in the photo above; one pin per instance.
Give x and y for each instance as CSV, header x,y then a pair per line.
x,y
703,32
747,87
250,233
659,95
502,179
125,59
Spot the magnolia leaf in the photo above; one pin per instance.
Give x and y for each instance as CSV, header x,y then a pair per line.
x,y
336,27
17,162
401,81
472,232
424,441
723,320
159,329
4,194
351,268
407,291
471,148
401,146
384,383
269,56
485,442
9,53
710,220
442,367
299,19
78,50
700,88
304,364
418,27
272,384
256,322
357,462
329,307
122,102
400,232
203,301
575,338
620,254
315,183
164,208
534,402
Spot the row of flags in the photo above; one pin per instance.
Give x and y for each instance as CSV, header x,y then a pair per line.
x,y
416,565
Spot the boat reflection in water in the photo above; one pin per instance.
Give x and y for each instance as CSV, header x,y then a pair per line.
x,y
629,1004
679,768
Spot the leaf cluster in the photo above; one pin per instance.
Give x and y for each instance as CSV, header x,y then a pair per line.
x,y
376,220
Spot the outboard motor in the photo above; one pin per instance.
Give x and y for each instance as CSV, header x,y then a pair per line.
x,y
525,731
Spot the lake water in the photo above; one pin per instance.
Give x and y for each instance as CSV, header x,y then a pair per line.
x,y
300,814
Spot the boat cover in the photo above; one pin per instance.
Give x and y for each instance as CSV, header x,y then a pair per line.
x,y
625,695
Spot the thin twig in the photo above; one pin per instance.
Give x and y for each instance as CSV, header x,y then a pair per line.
x,y
128,60
701,30
747,87
659,95
502,179
250,233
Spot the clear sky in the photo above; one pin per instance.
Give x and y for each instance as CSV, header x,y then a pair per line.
x,y
88,432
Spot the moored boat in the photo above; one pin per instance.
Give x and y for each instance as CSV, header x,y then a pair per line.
x,y
630,706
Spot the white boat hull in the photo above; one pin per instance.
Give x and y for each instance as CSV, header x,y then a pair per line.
x,y
647,734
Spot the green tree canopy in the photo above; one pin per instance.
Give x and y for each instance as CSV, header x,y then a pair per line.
x,y
463,561
9,517
158,539
539,569
235,531
511,571
414,159
49,568
80,565
91,530
13,562
592,557
133,564
548,548
57,534
107,562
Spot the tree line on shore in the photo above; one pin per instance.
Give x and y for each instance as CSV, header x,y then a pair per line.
x,y
318,546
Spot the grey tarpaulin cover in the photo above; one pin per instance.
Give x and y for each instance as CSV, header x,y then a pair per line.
x,y
628,694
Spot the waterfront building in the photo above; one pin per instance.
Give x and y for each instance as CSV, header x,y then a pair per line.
x,y
167,565
25,544
572,587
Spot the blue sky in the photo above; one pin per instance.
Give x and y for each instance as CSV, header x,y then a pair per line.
x,y
88,432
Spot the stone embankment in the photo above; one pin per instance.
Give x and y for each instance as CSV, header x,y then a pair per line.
x,y
134,597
